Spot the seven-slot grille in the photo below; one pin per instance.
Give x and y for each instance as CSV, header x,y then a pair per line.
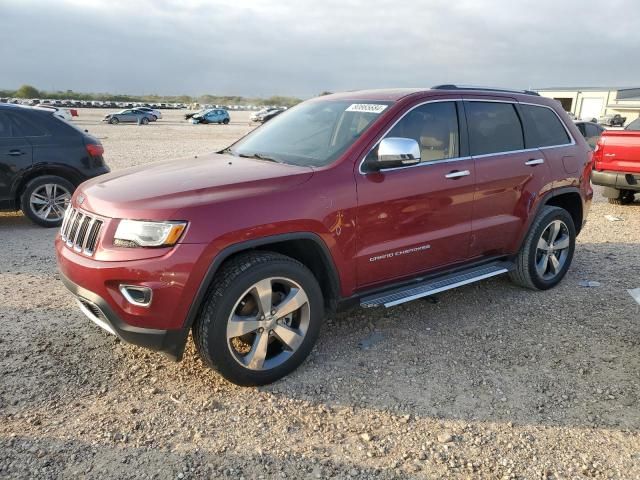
x,y
80,231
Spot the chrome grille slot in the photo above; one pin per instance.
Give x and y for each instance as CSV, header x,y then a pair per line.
x,y
80,231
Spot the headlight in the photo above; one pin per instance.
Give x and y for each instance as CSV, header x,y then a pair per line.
x,y
138,233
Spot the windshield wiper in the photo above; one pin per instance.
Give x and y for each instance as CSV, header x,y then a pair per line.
x,y
258,156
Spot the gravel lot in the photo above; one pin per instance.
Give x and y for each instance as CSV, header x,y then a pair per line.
x,y
486,381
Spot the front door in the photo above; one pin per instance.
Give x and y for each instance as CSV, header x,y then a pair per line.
x,y
418,218
15,157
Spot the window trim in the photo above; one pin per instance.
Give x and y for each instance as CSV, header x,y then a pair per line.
x,y
432,162
468,157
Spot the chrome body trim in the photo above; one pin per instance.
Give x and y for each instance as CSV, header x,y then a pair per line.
x,y
101,323
124,290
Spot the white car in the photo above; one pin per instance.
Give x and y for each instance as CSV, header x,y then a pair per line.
x,y
63,113
258,116
152,111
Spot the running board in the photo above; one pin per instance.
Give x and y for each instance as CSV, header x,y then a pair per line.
x,y
435,285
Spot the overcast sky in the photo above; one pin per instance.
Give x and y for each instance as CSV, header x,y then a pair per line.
x,y
302,47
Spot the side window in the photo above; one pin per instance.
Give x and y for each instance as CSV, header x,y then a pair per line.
x,y
582,129
435,127
494,127
543,127
5,126
26,127
592,130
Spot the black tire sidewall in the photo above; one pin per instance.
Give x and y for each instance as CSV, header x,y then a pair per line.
x,y
25,204
218,350
536,279
114,121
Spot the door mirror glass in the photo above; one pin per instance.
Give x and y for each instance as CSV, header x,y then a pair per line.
x,y
396,152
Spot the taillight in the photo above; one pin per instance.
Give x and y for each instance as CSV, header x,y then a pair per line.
x,y
598,155
95,150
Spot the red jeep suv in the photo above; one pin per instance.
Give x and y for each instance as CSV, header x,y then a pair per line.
x,y
378,197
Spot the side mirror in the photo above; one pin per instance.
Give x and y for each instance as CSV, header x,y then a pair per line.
x,y
396,152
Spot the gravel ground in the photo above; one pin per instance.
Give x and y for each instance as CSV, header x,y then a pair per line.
x,y
486,381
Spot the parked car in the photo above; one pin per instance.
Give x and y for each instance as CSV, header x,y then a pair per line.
x,y
616,165
156,113
42,161
266,114
616,120
591,132
130,115
376,197
215,115
189,115
633,126
64,113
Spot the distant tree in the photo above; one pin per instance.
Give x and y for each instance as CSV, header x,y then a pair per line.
x,y
325,93
27,91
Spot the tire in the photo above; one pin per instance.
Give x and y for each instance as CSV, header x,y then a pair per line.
x,y
532,270
155,119
54,190
234,291
624,198
114,121
144,121
226,121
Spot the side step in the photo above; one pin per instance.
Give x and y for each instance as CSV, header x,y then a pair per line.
x,y
435,285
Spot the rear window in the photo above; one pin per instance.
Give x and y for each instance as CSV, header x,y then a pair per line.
x,y
543,127
634,126
494,127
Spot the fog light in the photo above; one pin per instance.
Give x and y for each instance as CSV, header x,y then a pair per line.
x,y
137,295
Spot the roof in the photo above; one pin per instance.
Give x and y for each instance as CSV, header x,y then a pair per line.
x,y
395,94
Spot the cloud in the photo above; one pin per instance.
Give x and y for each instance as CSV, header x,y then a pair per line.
x,y
306,46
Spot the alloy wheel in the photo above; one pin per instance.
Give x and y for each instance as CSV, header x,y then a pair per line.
x,y
552,249
50,201
268,323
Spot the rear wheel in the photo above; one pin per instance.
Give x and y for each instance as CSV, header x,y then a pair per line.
x,y
624,198
547,251
261,318
45,200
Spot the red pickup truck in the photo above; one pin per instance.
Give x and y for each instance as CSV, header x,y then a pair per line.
x,y
616,165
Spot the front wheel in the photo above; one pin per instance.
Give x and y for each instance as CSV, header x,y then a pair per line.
x,y
261,318
547,251
226,121
144,121
114,121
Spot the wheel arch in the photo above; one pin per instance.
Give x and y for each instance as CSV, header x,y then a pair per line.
x,y
308,248
39,171
568,198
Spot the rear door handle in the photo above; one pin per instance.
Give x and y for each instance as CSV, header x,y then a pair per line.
x,y
16,153
457,174
534,161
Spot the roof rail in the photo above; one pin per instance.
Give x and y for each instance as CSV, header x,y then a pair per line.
x,y
487,89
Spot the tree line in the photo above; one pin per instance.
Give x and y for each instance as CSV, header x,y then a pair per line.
x,y
29,91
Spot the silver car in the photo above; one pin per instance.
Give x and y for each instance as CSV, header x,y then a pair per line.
x,y
129,115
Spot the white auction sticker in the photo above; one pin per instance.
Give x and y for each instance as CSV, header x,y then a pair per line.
x,y
366,107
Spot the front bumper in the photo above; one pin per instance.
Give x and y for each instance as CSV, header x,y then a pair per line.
x,y
169,342
173,277
617,180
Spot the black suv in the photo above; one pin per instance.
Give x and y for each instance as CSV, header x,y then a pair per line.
x,y
42,160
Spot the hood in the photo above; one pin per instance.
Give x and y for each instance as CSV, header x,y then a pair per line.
x,y
160,190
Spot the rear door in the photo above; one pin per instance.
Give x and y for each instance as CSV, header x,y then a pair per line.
x,y
417,218
16,156
509,176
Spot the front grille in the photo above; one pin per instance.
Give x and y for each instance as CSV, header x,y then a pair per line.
x,y
80,231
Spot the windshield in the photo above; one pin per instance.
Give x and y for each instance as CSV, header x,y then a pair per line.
x,y
310,134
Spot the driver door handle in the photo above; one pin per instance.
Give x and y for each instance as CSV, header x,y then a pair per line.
x,y
534,161
457,174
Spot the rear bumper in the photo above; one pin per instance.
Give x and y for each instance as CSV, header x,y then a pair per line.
x,y
617,180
